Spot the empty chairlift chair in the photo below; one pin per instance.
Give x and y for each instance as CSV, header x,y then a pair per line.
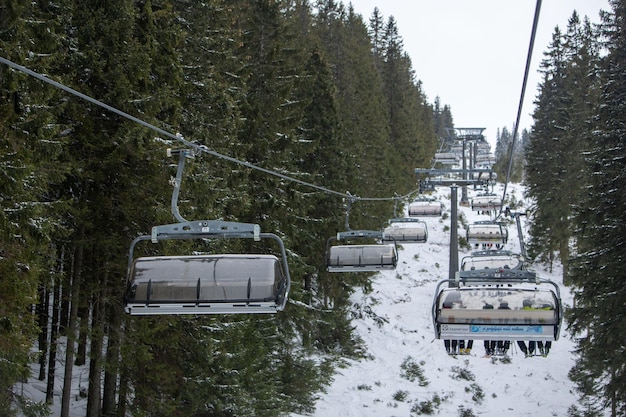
x,y
497,305
406,230
207,284
425,208
360,257
447,158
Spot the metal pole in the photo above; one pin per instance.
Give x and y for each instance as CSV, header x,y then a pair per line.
x,y
464,199
454,239
182,154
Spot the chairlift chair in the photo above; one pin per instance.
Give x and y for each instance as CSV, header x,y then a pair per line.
x,y
447,158
425,207
207,284
497,304
360,258
486,159
488,233
486,202
406,230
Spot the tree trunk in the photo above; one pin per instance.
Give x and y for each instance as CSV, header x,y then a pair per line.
x,y
71,326
121,399
564,255
54,326
83,328
94,395
112,361
42,311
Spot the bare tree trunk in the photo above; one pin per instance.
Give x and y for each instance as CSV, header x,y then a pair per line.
x,y
71,327
111,368
54,328
42,311
121,399
564,255
83,329
95,353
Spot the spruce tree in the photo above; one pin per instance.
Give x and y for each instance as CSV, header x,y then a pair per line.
x,y
598,316
558,141
32,214
547,149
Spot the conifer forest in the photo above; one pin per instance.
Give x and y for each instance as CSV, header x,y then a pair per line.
x,y
307,89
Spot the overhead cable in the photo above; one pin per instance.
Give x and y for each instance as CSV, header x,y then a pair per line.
x,y
521,99
178,137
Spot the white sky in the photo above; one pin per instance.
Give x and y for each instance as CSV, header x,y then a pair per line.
x,y
472,54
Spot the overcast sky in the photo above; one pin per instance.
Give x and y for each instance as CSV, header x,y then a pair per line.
x,y
472,53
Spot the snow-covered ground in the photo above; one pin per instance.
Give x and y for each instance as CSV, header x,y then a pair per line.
x,y
408,372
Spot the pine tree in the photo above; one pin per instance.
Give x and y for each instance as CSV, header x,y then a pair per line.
x,y
32,213
503,154
598,318
443,120
563,115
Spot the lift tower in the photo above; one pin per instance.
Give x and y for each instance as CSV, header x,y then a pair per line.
x,y
453,178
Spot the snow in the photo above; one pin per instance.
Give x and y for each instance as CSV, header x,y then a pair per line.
x,y
406,371
396,327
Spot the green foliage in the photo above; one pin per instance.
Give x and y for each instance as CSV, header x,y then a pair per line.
x,y
462,373
276,84
466,412
400,395
478,395
506,146
427,407
574,171
555,170
412,371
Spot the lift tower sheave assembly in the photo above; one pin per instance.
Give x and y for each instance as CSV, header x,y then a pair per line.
x,y
441,179
467,136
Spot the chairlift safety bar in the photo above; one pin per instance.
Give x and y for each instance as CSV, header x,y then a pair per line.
x,y
405,220
206,229
359,234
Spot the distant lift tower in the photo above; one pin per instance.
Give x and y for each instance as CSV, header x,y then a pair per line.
x,y
469,137
452,178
